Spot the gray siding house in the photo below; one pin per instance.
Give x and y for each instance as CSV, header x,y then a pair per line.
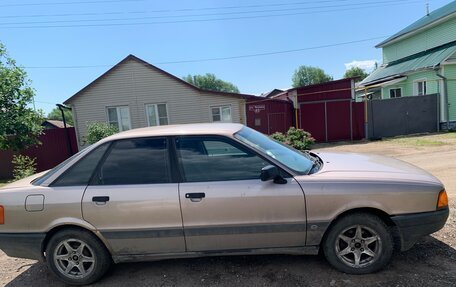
x,y
135,94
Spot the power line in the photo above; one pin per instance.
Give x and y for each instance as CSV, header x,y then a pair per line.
x,y
179,10
365,5
222,58
273,53
197,20
73,14
68,3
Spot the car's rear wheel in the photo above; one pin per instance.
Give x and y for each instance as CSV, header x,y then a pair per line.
x,y
358,244
77,257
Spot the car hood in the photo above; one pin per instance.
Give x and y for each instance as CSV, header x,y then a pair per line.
x,y
370,166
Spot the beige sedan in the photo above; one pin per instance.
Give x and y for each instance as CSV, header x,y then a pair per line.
x,y
215,189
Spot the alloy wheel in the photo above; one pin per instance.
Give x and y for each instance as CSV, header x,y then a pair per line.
x,y
358,246
74,259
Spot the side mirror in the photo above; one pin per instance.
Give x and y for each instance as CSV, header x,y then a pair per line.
x,y
271,172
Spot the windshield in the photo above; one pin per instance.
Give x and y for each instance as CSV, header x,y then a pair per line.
x,y
294,159
41,179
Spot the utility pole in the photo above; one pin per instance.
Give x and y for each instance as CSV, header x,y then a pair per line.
x,y
70,149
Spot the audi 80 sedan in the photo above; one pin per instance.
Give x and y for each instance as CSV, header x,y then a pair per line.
x,y
216,189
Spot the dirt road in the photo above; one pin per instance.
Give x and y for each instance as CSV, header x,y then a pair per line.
x,y
432,262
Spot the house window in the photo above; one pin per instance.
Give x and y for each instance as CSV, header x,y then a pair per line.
x,y
396,93
420,88
119,117
221,114
157,114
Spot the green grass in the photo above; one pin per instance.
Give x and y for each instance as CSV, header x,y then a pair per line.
x,y
447,135
428,140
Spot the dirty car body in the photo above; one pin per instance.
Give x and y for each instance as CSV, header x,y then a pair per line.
x,y
211,189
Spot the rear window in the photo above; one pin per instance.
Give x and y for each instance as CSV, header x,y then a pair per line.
x,y
81,172
135,161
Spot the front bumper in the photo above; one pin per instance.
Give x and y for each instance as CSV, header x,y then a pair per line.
x,y
414,226
22,245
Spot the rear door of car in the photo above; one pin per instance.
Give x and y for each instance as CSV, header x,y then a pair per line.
x,y
225,205
133,198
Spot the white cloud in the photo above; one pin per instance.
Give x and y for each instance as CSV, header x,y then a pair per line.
x,y
367,65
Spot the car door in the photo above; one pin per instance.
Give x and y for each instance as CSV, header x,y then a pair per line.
x,y
133,199
225,206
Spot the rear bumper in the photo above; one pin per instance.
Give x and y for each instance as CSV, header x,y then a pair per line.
x,y
22,245
414,226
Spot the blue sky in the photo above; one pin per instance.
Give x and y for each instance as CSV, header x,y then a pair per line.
x,y
88,35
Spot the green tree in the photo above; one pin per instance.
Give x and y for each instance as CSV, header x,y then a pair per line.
x,y
211,82
307,75
356,72
20,125
98,130
24,166
56,114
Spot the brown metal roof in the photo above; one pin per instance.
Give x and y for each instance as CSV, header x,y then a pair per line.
x,y
57,124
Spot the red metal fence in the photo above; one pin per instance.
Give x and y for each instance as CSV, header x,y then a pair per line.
x,y
52,151
269,116
335,120
328,111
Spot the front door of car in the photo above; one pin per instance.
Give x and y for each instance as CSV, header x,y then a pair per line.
x,y
225,205
133,199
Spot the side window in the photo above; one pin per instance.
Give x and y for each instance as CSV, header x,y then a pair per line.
x,y
119,117
215,159
219,148
221,114
81,172
420,88
135,161
395,93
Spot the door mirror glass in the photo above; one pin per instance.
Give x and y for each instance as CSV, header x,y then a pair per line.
x,y
271,172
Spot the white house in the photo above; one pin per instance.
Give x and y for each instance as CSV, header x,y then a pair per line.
x,y
135,94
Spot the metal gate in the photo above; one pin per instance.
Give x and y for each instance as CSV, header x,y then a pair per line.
x,y
330,120
402,116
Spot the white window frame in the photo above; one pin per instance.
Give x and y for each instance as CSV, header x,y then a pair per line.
x,y
396,88
157,116
119,120
220,110
415,86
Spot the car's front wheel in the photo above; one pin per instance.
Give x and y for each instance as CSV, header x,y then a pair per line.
x,y
77,257
358,244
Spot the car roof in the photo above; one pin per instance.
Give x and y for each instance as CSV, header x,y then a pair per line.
x,y
227,129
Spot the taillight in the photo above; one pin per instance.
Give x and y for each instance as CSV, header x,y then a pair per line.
x,y
442,201
2,215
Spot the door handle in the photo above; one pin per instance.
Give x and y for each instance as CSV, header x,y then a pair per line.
x,y
100,199
195,196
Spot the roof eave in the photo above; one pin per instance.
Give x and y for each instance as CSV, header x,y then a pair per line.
x,y
392,40
133,57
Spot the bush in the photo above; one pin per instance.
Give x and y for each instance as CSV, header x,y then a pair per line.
x,y
97,131
297,138
23,166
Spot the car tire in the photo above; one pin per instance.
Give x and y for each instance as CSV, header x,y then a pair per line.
x,y
77,257
358,243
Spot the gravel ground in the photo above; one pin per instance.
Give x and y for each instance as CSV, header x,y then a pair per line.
x,y
431,262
